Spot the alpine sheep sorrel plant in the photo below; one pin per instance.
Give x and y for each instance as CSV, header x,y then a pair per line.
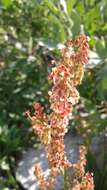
x,y
51,128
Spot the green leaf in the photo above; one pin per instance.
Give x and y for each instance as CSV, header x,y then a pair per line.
x,y
80,9
76,23
101,48
51,6
70,5
7,3
91,2
104,83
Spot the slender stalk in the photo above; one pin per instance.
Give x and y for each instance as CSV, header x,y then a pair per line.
x,y
65,180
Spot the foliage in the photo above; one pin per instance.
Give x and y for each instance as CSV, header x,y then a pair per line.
x,y
30,33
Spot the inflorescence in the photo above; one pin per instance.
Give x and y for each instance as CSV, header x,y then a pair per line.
x,y
51,128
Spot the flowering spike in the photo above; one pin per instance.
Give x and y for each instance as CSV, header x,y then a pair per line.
x,y
51,129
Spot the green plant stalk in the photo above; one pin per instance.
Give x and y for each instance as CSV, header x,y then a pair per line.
x,y
65,180
11,172
102,185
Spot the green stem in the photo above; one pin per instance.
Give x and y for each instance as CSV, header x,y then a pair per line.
x,y
65,180
12,173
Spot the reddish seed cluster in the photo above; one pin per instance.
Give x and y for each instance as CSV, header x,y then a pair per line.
x,y
40,177
63,96
79,47
86,183
82,180
39,121
79,167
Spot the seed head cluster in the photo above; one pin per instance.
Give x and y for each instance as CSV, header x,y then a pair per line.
x,y
51,129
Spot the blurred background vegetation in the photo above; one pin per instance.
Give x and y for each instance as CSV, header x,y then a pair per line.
x,y
31,34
